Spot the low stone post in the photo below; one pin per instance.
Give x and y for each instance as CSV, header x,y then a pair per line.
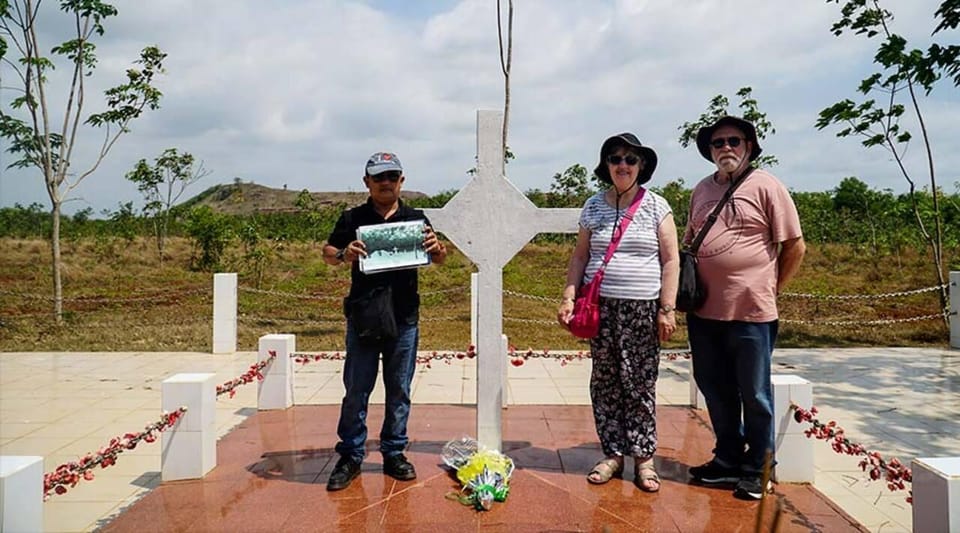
x,y
955,309
504,350
224,313
189,448
696,397
936,494
21,493
474,306
276,389
794,451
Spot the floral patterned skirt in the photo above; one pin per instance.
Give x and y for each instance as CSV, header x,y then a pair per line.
x,y
626,361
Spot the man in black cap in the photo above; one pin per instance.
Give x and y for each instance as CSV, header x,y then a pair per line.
x,y
394,291
748,256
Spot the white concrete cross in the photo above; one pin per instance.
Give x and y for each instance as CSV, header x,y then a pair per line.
x,y
490,220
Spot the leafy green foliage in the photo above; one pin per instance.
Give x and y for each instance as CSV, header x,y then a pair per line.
x,y
570,188
902,71
41,134
22,222
718,107
211,232
129,100
678,197
162,184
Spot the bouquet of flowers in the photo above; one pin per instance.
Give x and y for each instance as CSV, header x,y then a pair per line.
x,y
484,474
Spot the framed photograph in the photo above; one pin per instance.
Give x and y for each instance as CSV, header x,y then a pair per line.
x,y
393,246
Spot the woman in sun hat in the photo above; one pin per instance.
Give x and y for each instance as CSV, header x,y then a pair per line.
x,y
637,299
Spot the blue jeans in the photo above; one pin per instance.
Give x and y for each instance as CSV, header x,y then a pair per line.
x,y
731,364
360,375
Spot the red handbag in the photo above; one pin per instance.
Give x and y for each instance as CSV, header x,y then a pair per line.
x,y
585,321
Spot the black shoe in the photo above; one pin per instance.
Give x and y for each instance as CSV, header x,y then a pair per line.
x,y
712,472
750,488
343,473
397,467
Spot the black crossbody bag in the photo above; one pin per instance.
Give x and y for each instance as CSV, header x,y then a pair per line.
x,y
690,291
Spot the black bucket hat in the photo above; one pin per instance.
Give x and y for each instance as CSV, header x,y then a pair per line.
x,y
706,132
630,141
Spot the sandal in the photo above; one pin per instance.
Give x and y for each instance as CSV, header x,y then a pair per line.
x,y
605,470
645,476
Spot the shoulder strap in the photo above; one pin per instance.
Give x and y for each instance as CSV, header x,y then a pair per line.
x,y
628,216
712,217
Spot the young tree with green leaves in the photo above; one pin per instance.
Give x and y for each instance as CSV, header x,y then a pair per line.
x,y
903,74
162,184
718,107
41,132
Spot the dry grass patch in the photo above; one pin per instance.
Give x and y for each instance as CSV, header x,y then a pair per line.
x,y
119,298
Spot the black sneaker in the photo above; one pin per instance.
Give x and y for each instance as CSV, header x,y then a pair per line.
x,y
397,467
712,472
343,473
750,488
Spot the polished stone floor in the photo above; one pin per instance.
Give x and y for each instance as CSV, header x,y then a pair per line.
x,y
900,402
272,470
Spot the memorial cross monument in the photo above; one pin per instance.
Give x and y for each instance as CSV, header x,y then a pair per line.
x,y
490,220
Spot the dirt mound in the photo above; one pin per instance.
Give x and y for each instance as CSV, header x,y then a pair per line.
x,y
249,198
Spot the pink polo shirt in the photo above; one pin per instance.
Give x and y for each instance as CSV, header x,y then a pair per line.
x,y
738,257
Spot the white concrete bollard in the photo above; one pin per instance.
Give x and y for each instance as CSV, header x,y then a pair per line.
x,y
189,448
276,389
936,494
955,309
224,313
794,451
504,350
21,493
696,397
474,306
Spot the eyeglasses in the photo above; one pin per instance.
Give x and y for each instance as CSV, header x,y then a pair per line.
x,y
732,141
391,175
628,159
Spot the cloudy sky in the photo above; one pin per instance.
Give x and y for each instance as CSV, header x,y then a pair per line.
x,y
298,93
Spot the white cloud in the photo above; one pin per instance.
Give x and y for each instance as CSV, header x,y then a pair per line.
x,y
299,93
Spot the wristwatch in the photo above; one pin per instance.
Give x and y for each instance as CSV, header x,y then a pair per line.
x,y
341,253
666,309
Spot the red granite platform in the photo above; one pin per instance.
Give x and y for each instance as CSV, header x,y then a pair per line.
x,y
272,470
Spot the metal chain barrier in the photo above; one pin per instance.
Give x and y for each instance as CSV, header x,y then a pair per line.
x,y
69,474
278,320
301,296
530,321
290,294
518,358
531,296
252,374
878,322
205,321
106,299
447,357
899,294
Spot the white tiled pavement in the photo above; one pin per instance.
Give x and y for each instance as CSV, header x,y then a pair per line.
x,y
902,402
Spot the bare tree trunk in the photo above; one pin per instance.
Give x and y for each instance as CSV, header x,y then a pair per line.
x,y
936,240
505,65
55,247
160,226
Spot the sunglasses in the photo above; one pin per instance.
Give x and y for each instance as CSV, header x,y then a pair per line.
x,y
732,141
393,176
628,159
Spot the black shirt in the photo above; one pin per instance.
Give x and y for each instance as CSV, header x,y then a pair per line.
x,y
403,283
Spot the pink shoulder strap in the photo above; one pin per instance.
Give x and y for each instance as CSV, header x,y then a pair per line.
x,y
612,247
